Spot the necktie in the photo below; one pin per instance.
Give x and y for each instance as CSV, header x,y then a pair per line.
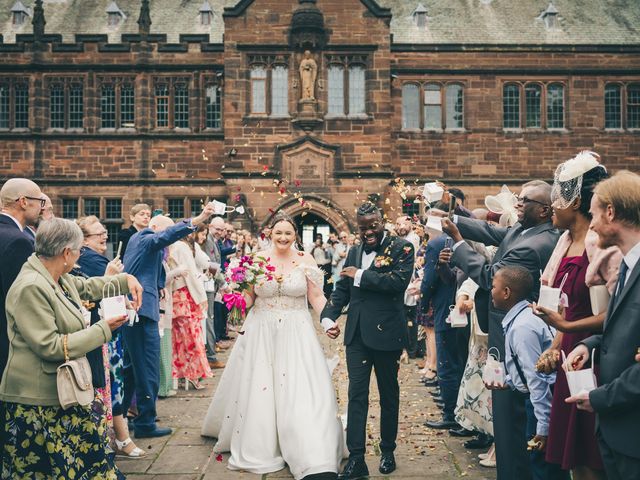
x,y
622,277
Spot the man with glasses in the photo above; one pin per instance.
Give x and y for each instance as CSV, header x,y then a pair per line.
x,y
529,243
22,201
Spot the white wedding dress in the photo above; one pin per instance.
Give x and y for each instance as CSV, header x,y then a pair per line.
x,y
276,403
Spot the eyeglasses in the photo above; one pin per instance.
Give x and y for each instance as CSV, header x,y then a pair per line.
x,y
101,234
41,200
531,200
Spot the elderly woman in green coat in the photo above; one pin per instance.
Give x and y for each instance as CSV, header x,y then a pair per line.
x,y
44,305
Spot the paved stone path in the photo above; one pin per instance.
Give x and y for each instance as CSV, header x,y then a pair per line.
x,y
421,453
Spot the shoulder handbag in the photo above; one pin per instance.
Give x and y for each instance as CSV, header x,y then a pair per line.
x,y
75,384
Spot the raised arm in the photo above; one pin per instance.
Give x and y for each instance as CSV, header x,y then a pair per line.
x,y
481,231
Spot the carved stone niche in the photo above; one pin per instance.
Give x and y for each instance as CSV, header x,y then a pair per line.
x,y
307,29
309,164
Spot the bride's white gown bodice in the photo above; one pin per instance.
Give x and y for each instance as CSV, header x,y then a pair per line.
x,y
275,402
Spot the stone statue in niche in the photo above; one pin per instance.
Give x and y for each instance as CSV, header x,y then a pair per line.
x,y
308,75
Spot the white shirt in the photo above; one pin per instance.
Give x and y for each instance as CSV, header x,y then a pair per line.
x,y
14,219
631,259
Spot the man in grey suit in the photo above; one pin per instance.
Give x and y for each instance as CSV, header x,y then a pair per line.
x,y
615,207
529,243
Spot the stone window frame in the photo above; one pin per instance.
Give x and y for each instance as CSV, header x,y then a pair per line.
x,y
624,105
12,83
443,86
268,62
67,83
172,82
215,81
544,109
118,82
346,62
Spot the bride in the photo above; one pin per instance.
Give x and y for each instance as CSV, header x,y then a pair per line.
x,y
275,403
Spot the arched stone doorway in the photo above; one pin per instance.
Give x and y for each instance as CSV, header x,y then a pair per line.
x,y
315,215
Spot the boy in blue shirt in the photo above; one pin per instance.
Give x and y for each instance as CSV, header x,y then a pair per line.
x,y
526,337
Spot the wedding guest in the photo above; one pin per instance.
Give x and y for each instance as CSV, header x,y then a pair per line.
x,y
264,239
528,243
140,215
404,229
45,324
93,263
189,304
322,258
526,337
142,340
21,203
615,208
339,256
574,265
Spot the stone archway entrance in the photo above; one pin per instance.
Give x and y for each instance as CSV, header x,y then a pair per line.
x,y
316,215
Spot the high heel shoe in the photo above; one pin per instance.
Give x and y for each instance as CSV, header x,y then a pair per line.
x,y
195,384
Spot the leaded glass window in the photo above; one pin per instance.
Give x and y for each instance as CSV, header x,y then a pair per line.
x,y
113,209
213,107
175,206
92,207
56,106
454,107
21,115
613,106
181,106
356,90
4,107
162,105
533,105
633,105
555,106
511,106
432,107
279,91
127,106
108,107
410,106
258,90
70,208
336,90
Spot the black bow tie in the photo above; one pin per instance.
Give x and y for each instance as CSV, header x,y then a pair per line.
x,y
368,249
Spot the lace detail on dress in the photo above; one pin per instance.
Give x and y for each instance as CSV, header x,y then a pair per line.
x,y
289,293
315,275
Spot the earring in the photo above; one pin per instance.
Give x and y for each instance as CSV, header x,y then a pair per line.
x,y
65,264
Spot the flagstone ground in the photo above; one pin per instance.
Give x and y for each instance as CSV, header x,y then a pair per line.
x,y
421,452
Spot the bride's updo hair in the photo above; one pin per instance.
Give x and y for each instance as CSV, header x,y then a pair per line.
x,y
283,217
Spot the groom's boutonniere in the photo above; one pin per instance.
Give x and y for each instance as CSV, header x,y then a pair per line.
x,y
382,261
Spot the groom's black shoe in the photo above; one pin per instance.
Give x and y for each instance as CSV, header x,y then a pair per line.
x,y
355,468
387,463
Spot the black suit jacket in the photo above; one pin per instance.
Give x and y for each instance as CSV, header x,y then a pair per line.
x,y
617,400
15,248
377,305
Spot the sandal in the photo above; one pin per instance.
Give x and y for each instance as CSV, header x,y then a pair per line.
x,y
194,383
429,377
135,453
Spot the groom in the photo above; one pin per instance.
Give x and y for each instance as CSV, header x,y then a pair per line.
x,y
373,281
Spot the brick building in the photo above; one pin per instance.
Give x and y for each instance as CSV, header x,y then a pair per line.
x,y
107,103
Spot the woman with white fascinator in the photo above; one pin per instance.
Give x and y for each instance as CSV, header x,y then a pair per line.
x,y
576,266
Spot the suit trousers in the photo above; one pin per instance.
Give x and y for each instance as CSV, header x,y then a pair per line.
x,y
616,465
142,370
412,330
450,368
509,431
210,331
220,321
360,360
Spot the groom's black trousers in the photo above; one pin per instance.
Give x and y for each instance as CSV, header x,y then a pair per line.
x,y
360,360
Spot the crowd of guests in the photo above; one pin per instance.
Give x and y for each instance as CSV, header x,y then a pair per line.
x,y
494,361
55,274
475,290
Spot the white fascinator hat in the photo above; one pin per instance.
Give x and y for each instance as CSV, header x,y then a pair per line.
x,y
503,204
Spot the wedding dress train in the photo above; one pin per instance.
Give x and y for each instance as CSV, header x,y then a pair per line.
x,y
275,402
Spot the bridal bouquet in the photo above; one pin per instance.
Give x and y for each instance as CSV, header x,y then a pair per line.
x,y
242,274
